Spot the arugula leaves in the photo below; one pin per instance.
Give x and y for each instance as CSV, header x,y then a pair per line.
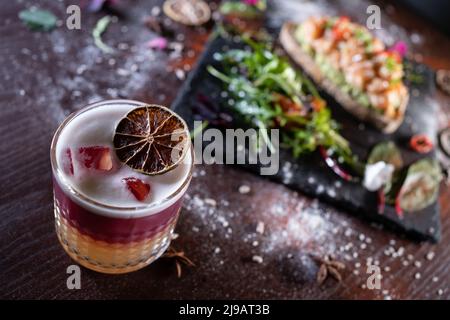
x,y
268,92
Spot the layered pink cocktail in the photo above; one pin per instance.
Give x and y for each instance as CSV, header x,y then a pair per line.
x,y
110,217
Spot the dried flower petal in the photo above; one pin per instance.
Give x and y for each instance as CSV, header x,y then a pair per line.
x,y
400,47
159,43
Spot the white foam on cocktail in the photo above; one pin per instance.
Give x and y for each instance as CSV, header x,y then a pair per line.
x,y
95,127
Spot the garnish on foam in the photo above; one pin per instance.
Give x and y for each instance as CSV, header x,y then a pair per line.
x,y
137,187
96,157
68,162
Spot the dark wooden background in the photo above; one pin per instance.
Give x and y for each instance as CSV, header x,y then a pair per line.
x,y
46,76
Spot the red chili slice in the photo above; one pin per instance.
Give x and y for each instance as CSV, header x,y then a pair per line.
x,y
421,143
340,27
334,165
318,104
398,207
381,201
288,106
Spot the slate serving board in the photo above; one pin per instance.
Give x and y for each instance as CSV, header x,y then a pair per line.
x,y
309,174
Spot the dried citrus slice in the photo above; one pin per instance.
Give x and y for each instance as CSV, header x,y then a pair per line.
x,y
188,12
151,139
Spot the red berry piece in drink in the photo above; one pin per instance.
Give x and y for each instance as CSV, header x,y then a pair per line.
x,y
96,157
67,162
137,187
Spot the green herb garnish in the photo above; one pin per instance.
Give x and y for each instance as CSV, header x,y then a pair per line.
x,y
37,19
391,63
100,27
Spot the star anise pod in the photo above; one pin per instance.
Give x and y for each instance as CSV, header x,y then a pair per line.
x,y
329,267
180,259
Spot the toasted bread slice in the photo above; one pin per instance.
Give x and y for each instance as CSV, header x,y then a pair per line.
x,y
364,113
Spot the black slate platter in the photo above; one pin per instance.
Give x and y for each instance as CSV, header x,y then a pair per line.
x,y
309,174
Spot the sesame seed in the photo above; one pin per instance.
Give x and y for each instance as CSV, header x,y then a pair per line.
x,y
417,275
417,264
430,255
440,292
435,279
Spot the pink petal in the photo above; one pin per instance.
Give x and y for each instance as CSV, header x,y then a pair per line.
x,y
159,43
251,2
96,5
137,187
400,47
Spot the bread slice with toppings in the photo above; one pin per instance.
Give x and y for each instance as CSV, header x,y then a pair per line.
x,y
351,65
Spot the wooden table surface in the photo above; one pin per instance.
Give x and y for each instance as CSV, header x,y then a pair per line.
x,y
46,76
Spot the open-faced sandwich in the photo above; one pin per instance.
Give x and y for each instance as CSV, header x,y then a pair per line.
x,y
352,65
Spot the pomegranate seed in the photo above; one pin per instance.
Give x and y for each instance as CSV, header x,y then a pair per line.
x,y
138,188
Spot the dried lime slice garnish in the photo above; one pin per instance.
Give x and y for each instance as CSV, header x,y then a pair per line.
x,y
151,139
